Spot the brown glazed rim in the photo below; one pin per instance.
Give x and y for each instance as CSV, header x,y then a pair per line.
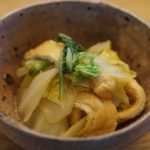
x,y
11,123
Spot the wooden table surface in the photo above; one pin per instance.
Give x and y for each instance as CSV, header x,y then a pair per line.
x,y
140,7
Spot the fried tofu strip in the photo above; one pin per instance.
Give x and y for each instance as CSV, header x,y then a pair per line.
x,y
48,50
75,116
93,107
110,122
104,87
94,115
100,116
138,98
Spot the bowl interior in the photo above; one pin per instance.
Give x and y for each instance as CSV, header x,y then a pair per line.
x,y
88,23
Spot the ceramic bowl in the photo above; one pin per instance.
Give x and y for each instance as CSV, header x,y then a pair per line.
x,y
88,23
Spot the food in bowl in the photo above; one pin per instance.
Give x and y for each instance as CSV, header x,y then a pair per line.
x,y
72,91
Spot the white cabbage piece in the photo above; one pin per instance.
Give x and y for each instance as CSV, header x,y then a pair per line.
x,y
55,112
99,47
33,94
39,122
52,92
75,129
110,62
23,86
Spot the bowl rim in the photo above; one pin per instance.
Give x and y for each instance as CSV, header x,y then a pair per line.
x,y
11,123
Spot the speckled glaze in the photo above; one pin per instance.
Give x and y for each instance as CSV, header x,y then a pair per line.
x,y
88,23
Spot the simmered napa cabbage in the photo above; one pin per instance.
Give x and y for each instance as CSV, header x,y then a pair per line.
x,y
113,66
40,123
71,91
52,92
32,95
110,62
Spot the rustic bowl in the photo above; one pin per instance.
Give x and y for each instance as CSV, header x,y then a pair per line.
x,y
88,23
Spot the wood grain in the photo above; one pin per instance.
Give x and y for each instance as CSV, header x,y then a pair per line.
x,y
140,7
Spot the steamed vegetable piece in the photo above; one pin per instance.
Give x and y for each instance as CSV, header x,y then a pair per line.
x,y
110,62
52,91
85,68
55,112
75,129
23,86
33,67
100,47
33,94
40,123
72,61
